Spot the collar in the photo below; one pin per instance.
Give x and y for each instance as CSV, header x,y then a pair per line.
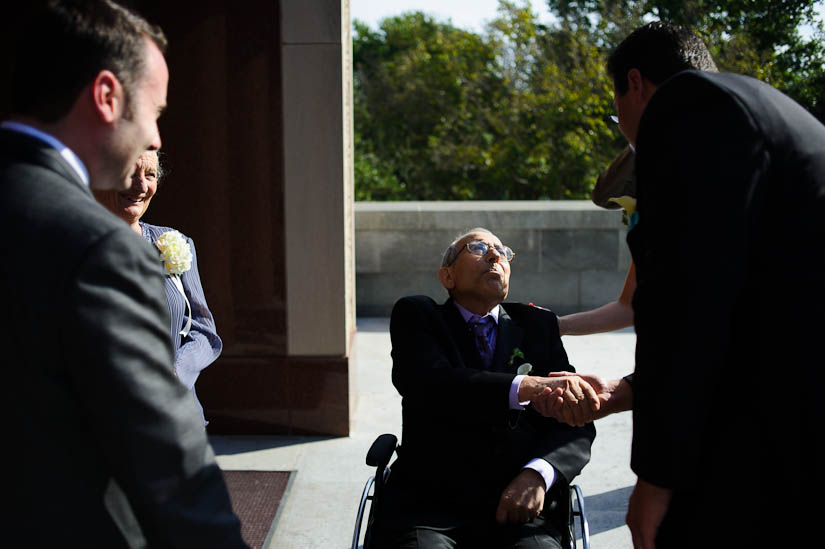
x,y
67,154
466,315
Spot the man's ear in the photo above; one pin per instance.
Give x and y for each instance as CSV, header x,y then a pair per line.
x,y
446,278
108,96
640,86
635,83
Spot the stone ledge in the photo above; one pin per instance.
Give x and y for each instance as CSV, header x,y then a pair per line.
x,y
570,255
495,215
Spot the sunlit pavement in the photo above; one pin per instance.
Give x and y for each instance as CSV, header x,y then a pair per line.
x,y
320,507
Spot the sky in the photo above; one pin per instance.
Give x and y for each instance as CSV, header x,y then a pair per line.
x,y
465,14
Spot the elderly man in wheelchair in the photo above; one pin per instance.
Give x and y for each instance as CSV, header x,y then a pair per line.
x,y
478,466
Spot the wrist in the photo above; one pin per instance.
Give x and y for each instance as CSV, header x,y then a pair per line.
x,y
533,477
527,389
621,397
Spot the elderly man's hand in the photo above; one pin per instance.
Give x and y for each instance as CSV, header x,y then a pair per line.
x,y
523,499
614,396
564,396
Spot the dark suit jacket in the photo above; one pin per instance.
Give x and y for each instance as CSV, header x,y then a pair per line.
x,y
729,251
102,432
461,444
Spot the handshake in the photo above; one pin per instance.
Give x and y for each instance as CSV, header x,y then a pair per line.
x,y
575,399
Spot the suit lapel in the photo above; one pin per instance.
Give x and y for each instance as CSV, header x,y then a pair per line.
x,y
509,337
462,335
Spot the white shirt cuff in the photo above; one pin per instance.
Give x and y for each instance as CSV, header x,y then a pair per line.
x,y
544,469
514,403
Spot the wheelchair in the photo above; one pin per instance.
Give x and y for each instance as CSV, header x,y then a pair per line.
x,y
379,456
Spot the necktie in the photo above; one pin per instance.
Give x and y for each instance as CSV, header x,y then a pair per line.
x,y
483,328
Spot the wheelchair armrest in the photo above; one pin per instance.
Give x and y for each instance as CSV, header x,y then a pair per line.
x,y
381,451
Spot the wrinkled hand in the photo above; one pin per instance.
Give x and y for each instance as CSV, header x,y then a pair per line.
x,y
576,401
523,499
645,511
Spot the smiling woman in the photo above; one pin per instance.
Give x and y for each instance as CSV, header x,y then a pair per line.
x,y
194,336
131,204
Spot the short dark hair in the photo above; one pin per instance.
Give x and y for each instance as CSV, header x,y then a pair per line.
x,y
658,50
66,43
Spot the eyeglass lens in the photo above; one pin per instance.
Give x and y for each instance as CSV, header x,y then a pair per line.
x,y
481,248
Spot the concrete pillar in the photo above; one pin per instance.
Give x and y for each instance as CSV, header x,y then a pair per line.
x,y
316,81
258,139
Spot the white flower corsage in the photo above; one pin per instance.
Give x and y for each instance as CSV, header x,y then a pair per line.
x,y
525,368
175,252
177,258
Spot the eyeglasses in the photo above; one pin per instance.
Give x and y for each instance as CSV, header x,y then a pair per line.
x,y
479,248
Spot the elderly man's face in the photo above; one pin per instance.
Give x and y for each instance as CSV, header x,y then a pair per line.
x,y
478,279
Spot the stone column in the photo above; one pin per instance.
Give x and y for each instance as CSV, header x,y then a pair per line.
x,y
258,142
318,195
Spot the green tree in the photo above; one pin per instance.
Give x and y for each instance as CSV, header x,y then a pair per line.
x,y
422,90
522,110
442,113
557,135
761,38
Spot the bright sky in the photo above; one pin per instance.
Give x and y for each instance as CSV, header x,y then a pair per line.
x,y
465,14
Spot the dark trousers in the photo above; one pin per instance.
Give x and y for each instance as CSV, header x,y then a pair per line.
x,y
537,534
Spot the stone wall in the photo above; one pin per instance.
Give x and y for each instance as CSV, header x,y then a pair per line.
x,y
570,255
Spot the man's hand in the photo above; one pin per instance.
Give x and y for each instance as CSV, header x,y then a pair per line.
x,y
523,499
647,507
614,396
567,397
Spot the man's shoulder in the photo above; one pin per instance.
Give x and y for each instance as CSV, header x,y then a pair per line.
x,y
529,311
693,89
415,310
537,322
415,302
47,211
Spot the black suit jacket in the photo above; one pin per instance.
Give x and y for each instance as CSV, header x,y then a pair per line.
x,y
461,444
729,252
109,450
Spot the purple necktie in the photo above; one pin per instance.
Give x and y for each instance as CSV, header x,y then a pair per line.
x,y
483,328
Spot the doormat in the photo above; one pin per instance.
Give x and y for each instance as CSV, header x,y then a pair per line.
x,y
256,498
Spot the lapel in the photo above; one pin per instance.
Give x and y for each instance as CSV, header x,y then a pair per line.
x,y
509,337
462,335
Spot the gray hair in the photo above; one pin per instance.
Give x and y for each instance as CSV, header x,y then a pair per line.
x,y
452,251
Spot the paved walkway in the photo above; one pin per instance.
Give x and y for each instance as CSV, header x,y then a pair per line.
x,y
320,507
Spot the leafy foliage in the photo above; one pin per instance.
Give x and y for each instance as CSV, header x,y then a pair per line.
x,y
760,38
522,111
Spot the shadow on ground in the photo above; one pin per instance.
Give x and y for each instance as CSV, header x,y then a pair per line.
x,y
225,445
607,510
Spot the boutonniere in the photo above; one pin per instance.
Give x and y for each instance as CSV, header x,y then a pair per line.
x,y
174,252
525,367
177,258
628,204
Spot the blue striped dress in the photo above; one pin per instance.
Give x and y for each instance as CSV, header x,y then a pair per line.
x,y
202,346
